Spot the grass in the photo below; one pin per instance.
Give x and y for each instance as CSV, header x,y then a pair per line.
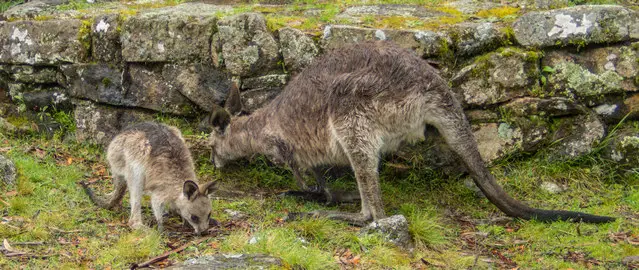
x,y
446,219
7,4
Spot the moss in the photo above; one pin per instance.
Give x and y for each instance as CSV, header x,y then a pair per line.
x,y
84,34
106,82
508,35
482,64
499,12
43,17
449,10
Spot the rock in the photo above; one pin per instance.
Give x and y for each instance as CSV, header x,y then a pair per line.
x,y
433,44
100,123
470,7
169,34
580,26
230,261
577,136
202,84
43,42
592,73
632,105
336,36
481,116
147,88
31,9
550,107
392,10
38,97
274,80
394,228
298,50
475,38
497,140
551,187
497,77
244,45
235,215
257,98
535,134
7,171
623,148
106,45
33,74
96,82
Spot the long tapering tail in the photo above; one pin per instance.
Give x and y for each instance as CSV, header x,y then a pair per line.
x,y
110,200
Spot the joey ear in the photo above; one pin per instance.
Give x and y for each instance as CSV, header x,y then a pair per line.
x,y
209,187
233,101
219,118
190,190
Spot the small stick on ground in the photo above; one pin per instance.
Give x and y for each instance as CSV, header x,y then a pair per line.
x,y
28,243
58,230
167,254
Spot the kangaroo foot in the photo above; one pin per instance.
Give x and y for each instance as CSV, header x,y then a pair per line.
x,y
355,219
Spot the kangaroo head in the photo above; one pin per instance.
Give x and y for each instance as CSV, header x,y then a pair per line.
x,y
194,205
220,119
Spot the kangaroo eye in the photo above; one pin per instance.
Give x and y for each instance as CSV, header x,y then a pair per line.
x,y
195,219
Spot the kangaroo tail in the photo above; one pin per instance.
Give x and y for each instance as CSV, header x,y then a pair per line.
x,y
452,124
110,200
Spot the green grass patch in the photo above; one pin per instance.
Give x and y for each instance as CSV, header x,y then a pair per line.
x,y
5,5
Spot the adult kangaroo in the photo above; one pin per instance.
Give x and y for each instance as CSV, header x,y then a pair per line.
x,y
349,107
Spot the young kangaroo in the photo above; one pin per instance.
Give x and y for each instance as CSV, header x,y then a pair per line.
x,y
153,158
349,107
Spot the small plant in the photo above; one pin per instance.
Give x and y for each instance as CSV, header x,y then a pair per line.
x,y
4,6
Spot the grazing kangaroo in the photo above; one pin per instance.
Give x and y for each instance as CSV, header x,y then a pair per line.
x,y
349,107
153,158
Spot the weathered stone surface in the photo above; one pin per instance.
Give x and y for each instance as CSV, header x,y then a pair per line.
x,y
481,116
394,228
38,97
336,36
551,107
5,126
42,42
96,82
106,46
33,74
255,99
230,261
392,10
577,136
433,44
580,25
298,50
7,171
31,8
167,35
471,6
475,38
632,106
203,84
100,123
273,80
497,140
244,45
551,187
147,88
575,81
497,77
624,147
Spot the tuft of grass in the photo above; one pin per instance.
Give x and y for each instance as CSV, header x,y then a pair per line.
x,y
425,226
5,5
132,247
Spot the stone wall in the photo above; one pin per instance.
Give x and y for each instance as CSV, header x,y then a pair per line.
x,y
551,79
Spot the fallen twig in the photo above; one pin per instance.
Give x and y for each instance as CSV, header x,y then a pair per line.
x,y
28,243
167,254
58,230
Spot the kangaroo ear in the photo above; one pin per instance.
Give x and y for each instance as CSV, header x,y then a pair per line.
x,y
190,190
220,118
233,102
209,187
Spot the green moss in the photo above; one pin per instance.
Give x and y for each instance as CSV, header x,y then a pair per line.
x,y
84,34
106,82
509,35
499,12
43,17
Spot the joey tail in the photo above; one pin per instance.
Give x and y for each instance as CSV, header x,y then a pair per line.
x,y
457,133
110,200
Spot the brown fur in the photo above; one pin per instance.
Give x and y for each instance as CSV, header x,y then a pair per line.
x,y
153,158
352,105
